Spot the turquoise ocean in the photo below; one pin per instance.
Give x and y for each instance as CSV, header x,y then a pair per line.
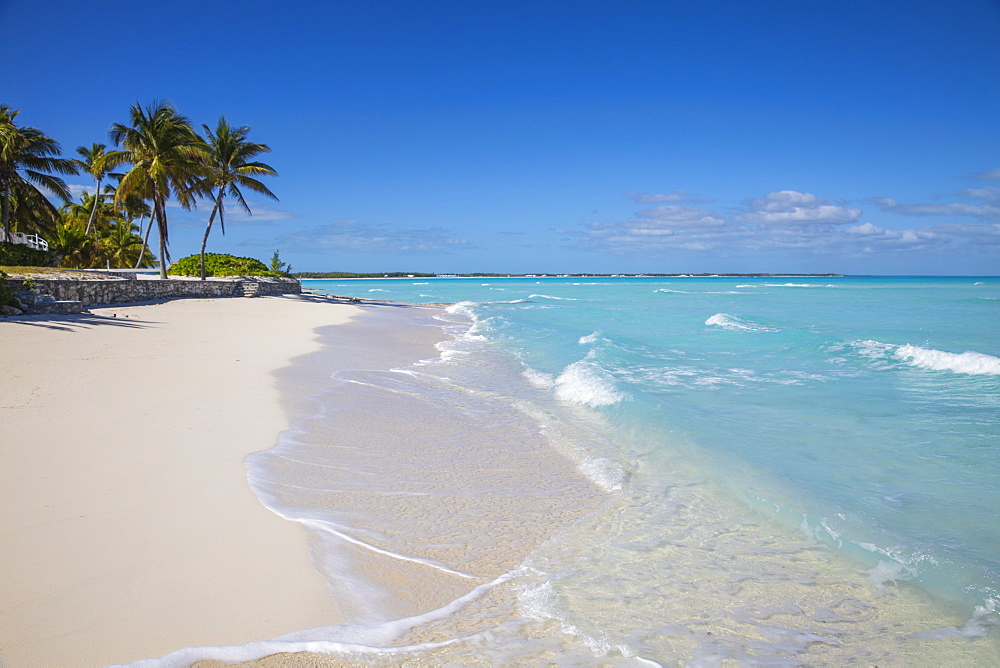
x,y
859,414
798,471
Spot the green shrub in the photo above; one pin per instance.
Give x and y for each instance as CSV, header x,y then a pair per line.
x,y
220,264
19,255
6,292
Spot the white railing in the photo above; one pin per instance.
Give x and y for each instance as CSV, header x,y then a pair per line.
x,y
29,240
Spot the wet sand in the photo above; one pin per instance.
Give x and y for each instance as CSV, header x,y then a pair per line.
x,y
429,498
130,531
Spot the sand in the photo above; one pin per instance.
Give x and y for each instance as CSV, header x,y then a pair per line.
x,y
126,525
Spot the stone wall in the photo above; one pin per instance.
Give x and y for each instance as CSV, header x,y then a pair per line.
x,y
119,291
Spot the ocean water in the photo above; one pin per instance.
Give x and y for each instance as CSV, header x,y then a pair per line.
x,y
790,471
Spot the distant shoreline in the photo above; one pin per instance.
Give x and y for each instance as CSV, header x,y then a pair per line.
x,y
316,275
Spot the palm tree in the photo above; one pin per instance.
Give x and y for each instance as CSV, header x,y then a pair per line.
x,y
229,158
114,241
92,212
74,248
98,162
27,159
134,207
31,215
166,156
121,246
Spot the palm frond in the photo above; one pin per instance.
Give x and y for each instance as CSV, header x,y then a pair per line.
x,y
256,186
229,160
53,184
28,161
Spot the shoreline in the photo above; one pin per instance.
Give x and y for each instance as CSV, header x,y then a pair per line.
x,y
127,526
134,535
426,501
424,512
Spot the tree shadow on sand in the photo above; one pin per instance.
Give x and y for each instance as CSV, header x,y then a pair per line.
x,y
82,321
75,322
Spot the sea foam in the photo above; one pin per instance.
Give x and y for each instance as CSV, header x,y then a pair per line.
x,y
586,383
735,323
969,362
568,299
466,308
799,285
885,453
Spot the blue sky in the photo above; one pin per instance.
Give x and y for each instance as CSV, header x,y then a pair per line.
x,y
701,136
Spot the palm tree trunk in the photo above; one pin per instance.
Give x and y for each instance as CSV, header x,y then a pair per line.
x,y
145,239
208,228
204,242
93,209
161,227
5,216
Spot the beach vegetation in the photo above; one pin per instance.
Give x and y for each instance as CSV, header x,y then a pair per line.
x,y
75,249
29,164
90,213
6,291
133,206
167,159
231,167
113,240
20,255
98,162
162,158
278,266
220,264
121,247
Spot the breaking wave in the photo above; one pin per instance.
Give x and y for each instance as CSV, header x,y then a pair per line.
x,y
586,383
969,362
735,323
568,299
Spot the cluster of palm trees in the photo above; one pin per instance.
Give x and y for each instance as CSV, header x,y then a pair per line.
x,y
164,157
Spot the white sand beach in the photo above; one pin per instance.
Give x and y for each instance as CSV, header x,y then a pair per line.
x,y
126,525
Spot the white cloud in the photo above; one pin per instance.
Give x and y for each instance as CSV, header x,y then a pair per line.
x,y
989,193
77,190
235,216
912,239
982,235
987,211
677,196
650,198
661,226
261,213
789,207
353,235
781,221
673,216
866,228
986,207
783,199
